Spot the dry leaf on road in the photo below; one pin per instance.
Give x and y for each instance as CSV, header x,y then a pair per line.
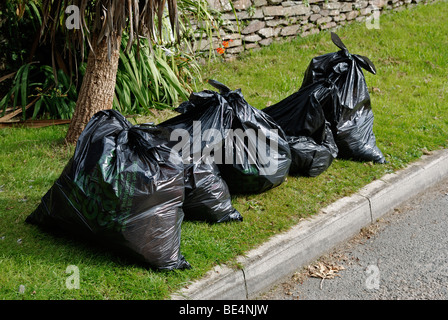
x,y
324,271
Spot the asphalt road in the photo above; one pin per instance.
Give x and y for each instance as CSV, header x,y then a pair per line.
x,y
404,256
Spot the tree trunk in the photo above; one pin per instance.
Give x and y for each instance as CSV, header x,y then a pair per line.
x,y
98,86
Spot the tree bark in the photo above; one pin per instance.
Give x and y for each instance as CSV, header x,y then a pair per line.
x,y
98,86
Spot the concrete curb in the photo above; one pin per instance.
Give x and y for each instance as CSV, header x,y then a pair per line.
x,y
285,253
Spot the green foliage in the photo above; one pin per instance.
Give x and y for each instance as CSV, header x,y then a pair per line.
x,y
159,75
19,89
150,76
153,78
198,21
19,22
49,99
58,99
33,83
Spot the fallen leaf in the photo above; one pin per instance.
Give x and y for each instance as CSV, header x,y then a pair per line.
x,y
426,152
324,271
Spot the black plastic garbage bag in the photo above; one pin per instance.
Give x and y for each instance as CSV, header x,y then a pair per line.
x,y
201,130
123,188
207,197
257,154
351,117
247,146
302,118
310,158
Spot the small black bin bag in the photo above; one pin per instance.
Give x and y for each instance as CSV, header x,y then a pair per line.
x,y
123,188
257,156
207,196
350,116
199,129
310,138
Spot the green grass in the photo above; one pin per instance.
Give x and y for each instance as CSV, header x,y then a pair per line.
x,y
409,95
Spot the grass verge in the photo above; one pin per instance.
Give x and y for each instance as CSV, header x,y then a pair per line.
x,y
409,95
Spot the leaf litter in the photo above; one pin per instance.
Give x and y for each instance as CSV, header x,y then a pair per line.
x,y
324,270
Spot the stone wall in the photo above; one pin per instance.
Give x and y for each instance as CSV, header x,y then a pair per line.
x,y
260,22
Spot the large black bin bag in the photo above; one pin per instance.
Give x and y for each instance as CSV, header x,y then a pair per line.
x,y
350,116
124,188
201,126
309,135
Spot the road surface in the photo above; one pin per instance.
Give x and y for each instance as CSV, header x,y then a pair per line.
x,y
404,256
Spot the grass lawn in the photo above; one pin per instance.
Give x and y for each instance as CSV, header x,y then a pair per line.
x,y
409,100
